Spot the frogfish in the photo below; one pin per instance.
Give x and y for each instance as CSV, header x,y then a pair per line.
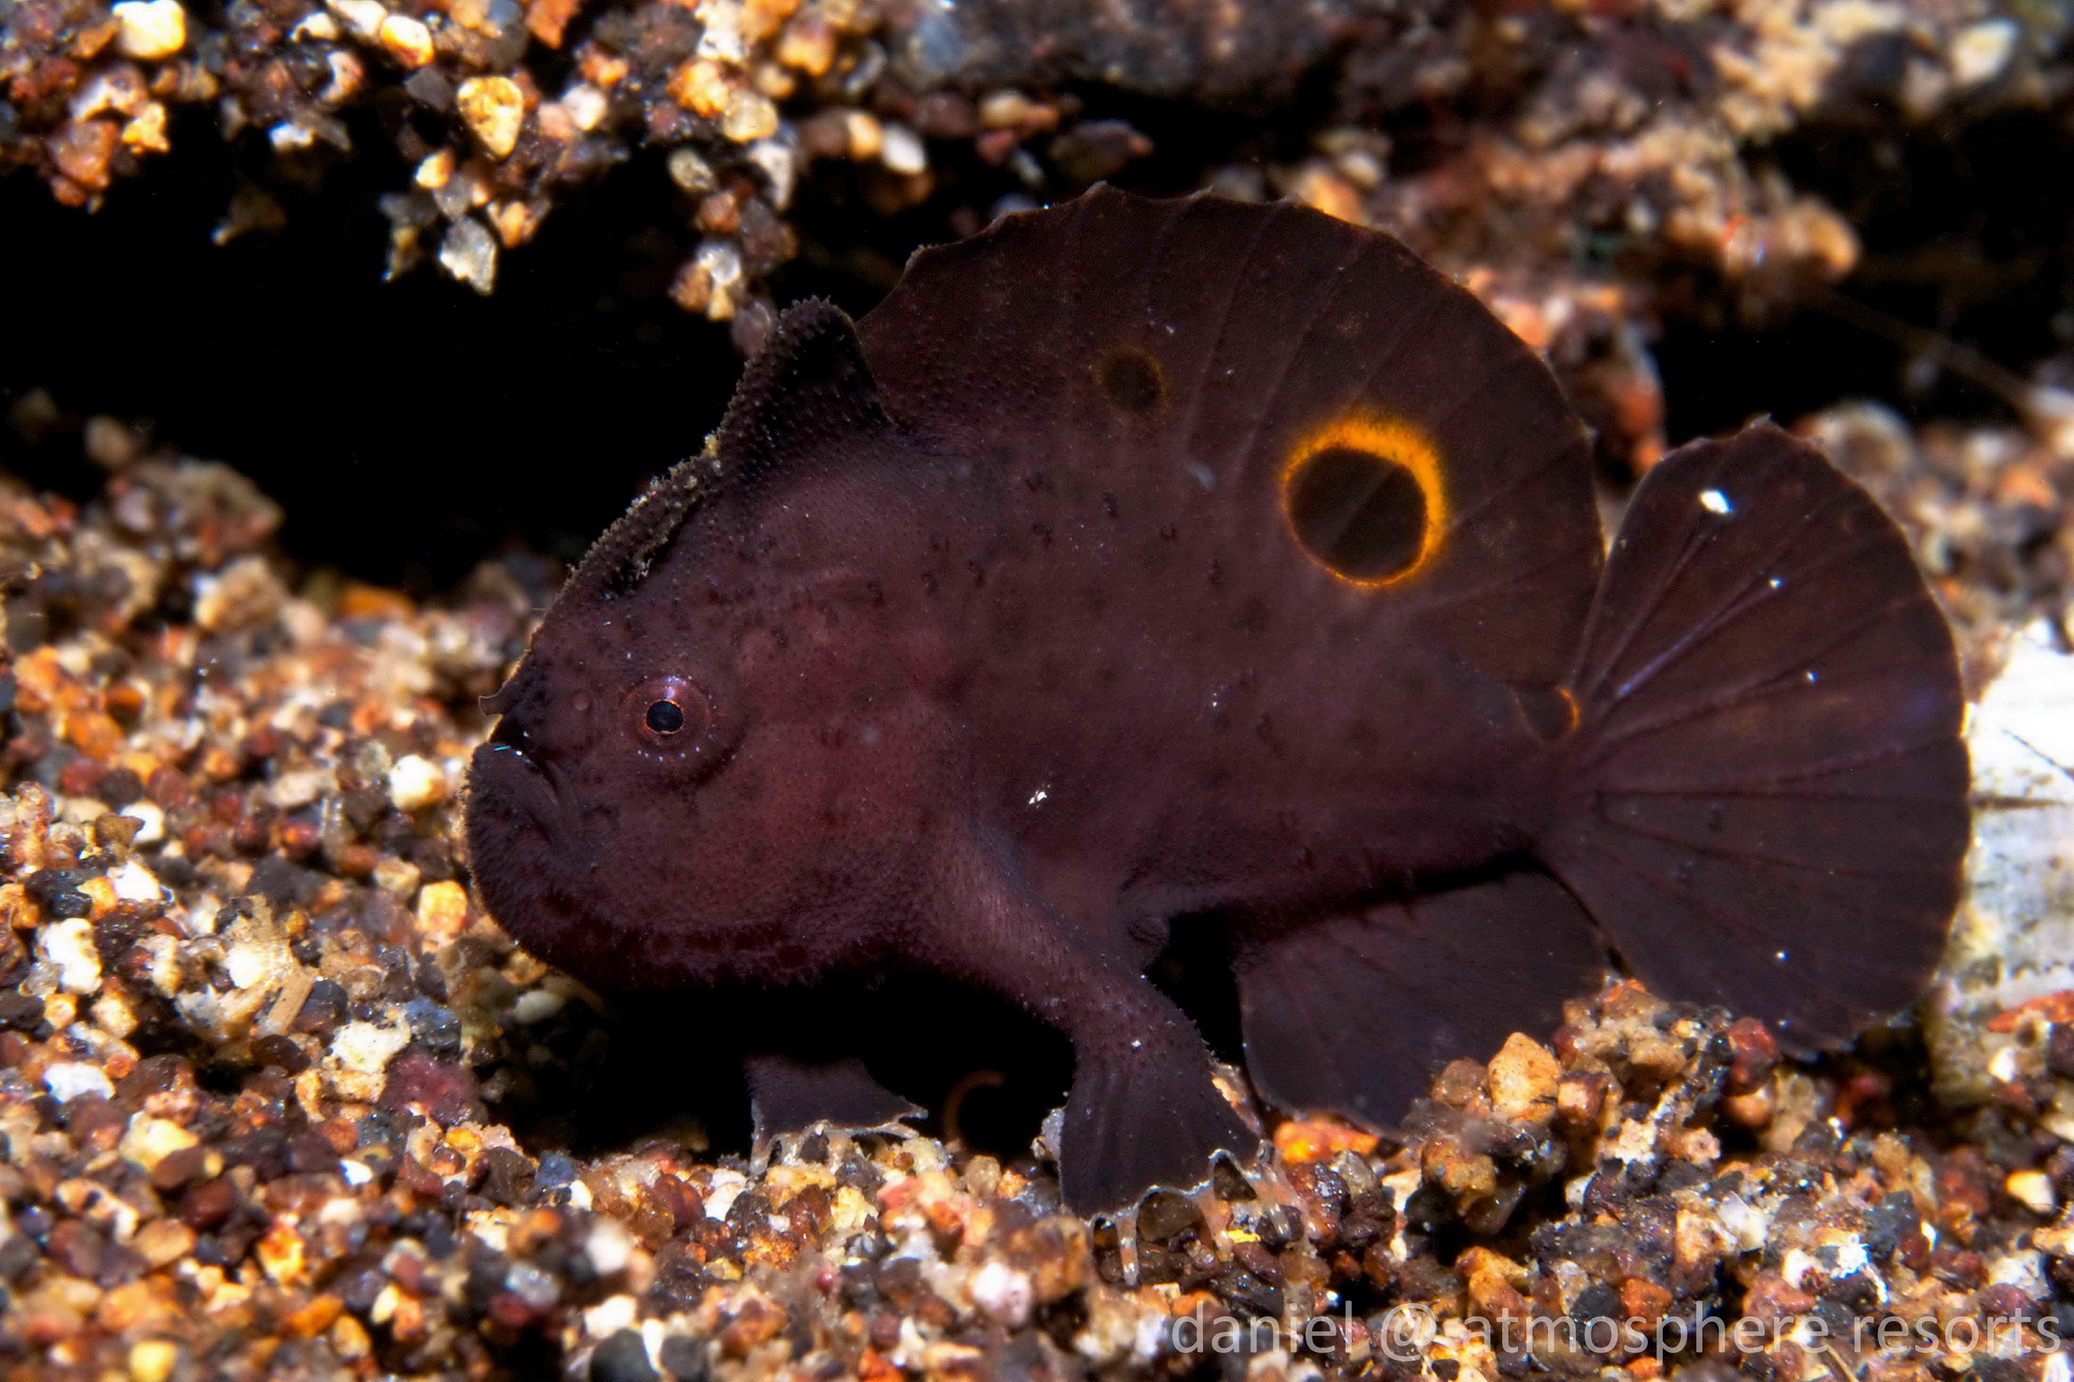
x,y
1145,564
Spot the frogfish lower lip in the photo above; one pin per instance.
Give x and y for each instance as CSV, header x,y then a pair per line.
x,y
504,774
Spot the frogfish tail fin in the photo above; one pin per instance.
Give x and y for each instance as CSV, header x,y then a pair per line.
x,y
1763,802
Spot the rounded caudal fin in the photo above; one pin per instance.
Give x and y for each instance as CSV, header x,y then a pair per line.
x,y
1765,795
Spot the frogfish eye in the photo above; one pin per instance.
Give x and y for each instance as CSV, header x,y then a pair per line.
x,y
669,712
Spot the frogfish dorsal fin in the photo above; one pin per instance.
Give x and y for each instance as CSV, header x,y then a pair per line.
x,y
808,387
1293,385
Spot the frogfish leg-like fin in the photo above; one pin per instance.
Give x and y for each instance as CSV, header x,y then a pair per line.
x,y
788,1095
1350,1014
1764,802
1143,1109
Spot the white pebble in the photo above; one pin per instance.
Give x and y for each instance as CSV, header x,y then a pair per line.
x,y
721,1194
69,1079
586,106
2032,1188
901,150
135,883
416,783
151,29
69,947
364,1047
1002,1293
406,39
255,964
691,172
610,1247
610,1316
363,17
1982,50
151,819
531,1285
148,1141
299,787
470,255
780,165
536,1005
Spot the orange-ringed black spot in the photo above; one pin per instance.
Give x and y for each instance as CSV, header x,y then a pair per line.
x,y
665,717
1131,380
1361,515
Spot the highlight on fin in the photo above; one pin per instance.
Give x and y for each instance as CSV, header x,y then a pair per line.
x,y
1765,804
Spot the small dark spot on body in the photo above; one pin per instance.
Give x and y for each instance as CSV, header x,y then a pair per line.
x,y
1131,380
1169,531
1109,505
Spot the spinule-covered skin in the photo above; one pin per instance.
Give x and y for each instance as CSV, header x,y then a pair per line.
x,y
1137,563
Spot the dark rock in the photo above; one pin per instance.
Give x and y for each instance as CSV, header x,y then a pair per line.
x,y
507,1175
19,1012
624,1358
1166,1215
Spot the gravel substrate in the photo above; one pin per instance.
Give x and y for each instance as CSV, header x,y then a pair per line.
x,y
277,1100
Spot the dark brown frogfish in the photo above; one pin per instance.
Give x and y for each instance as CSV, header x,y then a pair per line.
x,y
1140,563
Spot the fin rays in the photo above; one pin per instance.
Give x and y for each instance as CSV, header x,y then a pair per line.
x,y
1725,807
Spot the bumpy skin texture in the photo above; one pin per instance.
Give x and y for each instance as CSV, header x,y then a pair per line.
x,y
1139,560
